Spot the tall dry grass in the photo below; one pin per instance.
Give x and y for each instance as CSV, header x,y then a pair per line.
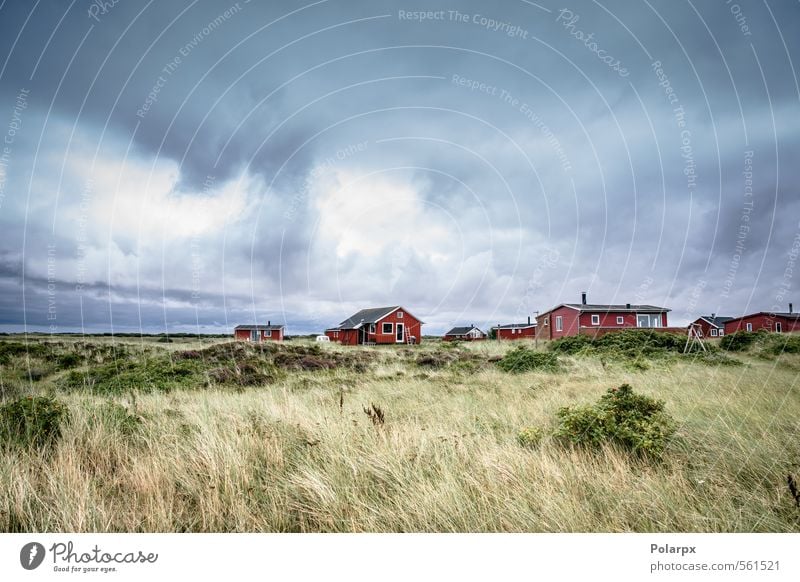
x,y
302,456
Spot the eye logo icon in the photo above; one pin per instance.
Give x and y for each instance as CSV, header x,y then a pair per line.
x,y
31,555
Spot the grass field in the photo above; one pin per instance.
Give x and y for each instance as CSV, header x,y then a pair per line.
x,y
216,436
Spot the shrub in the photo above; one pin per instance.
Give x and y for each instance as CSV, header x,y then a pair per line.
x,y
529,437
68,360
571,345
117,417
741,341
784,344
147,375
634,421
33,422
9,350
522,359
629,343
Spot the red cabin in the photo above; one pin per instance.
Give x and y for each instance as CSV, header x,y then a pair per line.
x,y
596,319
378,325
259,333
711,325
777,322
467,334
515,331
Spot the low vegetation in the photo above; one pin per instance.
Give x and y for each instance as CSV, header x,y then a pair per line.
x,y
110,434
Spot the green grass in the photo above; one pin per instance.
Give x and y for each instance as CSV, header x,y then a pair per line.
x,y
464,446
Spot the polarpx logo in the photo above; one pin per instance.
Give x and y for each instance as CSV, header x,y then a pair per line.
x,y
31,555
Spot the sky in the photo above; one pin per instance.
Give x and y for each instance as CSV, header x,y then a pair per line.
x,y
189,166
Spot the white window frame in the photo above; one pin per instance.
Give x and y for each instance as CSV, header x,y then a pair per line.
x,y
721,332
547,320
399,315
713,332
559,323
391,328
371,328
620,320
268,333
749,327
595,319
253,337
778,327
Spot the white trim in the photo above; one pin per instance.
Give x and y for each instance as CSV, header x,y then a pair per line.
x,y
383,328
748,326
620,320
595,319
399,314
267,333
559,323
721,332
398,327
778,327
372,328
713,332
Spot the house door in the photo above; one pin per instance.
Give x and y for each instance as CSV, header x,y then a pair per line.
x,y
253,335
778,327
400,335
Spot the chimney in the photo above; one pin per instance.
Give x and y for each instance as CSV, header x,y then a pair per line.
x,y
269,322
712,315
529,318
790,308
583,298
627,306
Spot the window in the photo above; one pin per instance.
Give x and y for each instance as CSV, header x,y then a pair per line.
x,y
253,335
371,328
399,315
620,320
559,323
595,319
547,320
268,333
713,332
778,327
387,328
749,327
721,332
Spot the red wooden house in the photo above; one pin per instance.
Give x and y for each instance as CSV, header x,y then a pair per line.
x,y
778,322
378,325
711,325
259,333
597,319
468,333
514,331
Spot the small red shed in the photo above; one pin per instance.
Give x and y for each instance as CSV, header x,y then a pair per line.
x,y
711,325
259,333
515,331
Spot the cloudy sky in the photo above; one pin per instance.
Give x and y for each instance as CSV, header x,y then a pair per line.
x,y
196,164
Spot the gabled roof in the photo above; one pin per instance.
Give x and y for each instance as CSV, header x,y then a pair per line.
x,y
371,315
463,330
608,308
514,326
259,327
716,321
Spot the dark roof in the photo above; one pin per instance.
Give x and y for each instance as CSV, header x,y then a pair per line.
x,y
626,307
462,330
786,314
716,321
514,325
259,327
371,315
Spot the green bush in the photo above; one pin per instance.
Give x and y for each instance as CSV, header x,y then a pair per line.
x,y
9,350
629,343
622,417
529,437
522,359
741,341
68,360
145,375
784,344
571,345
117,417
33,422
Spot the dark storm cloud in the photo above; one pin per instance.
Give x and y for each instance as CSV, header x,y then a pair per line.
x,y
225,162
